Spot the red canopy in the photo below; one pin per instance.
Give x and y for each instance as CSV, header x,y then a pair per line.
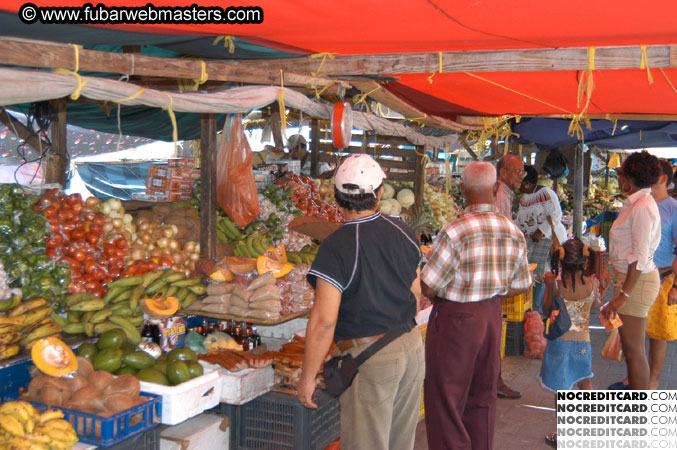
x,y
386,26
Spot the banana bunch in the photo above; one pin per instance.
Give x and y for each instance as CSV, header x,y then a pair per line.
x,y
120,308
22,427
24,325
252,245
227,231
304,256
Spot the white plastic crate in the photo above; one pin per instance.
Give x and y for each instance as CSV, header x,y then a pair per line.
x,y
240,387
187,399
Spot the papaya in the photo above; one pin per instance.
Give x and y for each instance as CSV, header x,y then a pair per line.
x,y
109,359
195,369
126,370
152,376
87,350
181,354
177,372
138,360
53,357
111,339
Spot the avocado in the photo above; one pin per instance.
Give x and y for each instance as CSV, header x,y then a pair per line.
x,y
152,376
178,372
181,354
138,360
112,339
162,357
109,359
126,370
195,369
86,350
160,366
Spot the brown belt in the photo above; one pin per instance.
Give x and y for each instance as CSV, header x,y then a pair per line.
x,y
350,343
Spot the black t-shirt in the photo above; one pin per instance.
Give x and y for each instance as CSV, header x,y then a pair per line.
x,y
372,261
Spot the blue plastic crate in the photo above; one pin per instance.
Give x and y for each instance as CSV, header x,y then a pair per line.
x,y
108,431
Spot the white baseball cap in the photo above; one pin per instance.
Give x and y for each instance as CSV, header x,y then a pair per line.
x,y
361,171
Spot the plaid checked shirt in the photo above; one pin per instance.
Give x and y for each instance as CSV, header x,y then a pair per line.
x,y
478,256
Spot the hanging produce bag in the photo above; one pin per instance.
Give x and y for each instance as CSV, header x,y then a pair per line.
x,y
612,348
236,188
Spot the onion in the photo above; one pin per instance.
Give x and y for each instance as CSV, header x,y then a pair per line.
x,y
177,257
194,256
175,228
174,244
167,253
106,209
91,202
197,247
155,253
138,254
162,242
146,238
114,214
189,247
115,203
107,227
127,218
117,223
143,226
168,232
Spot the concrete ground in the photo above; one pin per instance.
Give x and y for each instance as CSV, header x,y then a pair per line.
x,y
522,424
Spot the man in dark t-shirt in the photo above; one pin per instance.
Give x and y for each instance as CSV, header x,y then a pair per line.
x,y
366,277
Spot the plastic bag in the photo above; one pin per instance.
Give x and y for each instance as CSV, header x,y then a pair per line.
x,y
236,188
555,164
612,347
195,342
533,336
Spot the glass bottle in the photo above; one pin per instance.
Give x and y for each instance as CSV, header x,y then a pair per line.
x,y
256,336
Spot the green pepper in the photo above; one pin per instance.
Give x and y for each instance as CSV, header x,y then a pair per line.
x,y
44,284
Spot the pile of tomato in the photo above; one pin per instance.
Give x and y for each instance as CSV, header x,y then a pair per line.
x,y
306,197
79,237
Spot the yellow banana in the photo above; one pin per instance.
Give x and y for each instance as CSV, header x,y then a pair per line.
x,y
37,314
40,438
7,351
60,445
20,443
29,345
12,425
15,410
63,436
45,330
10,337
58,424
27,306
29,425
50,414
19,320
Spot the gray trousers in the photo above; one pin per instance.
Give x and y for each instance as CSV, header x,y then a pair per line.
x,y
380,410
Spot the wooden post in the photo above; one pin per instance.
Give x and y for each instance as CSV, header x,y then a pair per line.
x,y
606,171
578,190
57,161
419,181
314,147
208,181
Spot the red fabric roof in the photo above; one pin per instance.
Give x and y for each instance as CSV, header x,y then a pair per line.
x,y
386,26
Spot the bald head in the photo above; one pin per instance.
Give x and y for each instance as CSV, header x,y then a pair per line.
x,y
510,170
479,177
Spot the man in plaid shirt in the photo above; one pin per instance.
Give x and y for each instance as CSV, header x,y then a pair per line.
x,y
476,259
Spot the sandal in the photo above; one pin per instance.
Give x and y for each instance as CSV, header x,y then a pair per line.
x,y
551,440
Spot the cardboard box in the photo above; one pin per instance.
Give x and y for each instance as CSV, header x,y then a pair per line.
x,y
149,197
177,173
180,185
157,183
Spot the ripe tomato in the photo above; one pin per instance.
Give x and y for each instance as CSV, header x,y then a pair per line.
x,y
89,215
52,253
74,199
96,228
51,242
77,208
92,238
73,263
79,255
109,249
91,284
99,273
100,219
89,266
165,262
77,234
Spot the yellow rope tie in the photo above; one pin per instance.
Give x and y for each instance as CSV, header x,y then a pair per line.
x,y
131,97
640,135
283,108
172,117
425,159
417,120
324,56
203,73
228,41
362,98
613,132
321,91
432,75
575,126
645,63
586,83
668,80
379,109
517,92
81,83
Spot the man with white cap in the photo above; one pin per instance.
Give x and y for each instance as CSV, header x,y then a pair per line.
x,y
366,277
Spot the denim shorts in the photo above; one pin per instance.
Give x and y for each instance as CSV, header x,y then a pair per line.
x,y
565,363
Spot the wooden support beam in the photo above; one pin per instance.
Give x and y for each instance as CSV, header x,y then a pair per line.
x,y
419,180
578,190
57,161
33,140
467,148
33,53
382,95
208,183
314,147
525,60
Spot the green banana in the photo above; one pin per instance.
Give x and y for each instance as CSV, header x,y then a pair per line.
x,y
150,277
100,316
73,316
74,328
156,287
137,321
188,282
126,282
182,293
77,298
230,226
114,292
58,319
89,305
171,291
174,276
123,296
198,289
125,311
189,300
100,328
132,333
10,303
